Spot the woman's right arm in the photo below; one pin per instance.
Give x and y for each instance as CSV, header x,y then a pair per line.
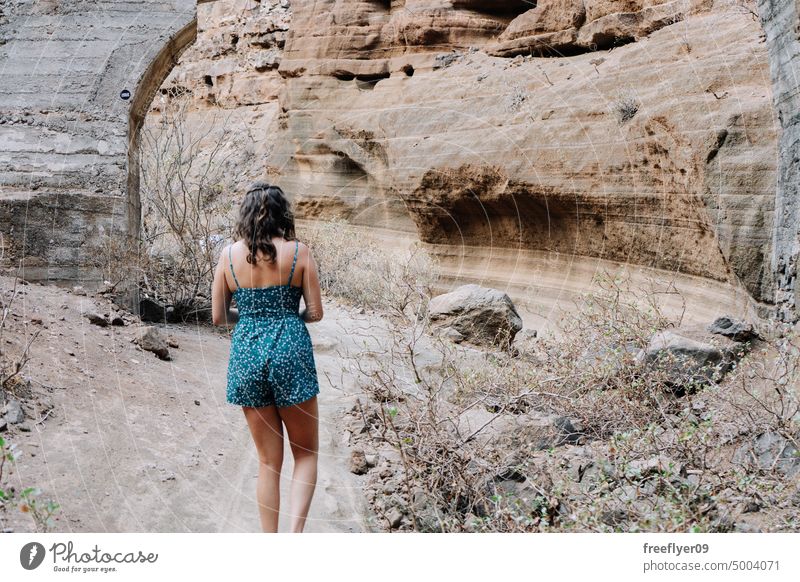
x,y
312,294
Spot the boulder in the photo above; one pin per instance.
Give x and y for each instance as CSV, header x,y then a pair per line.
x,y
687,358
152,310
483,316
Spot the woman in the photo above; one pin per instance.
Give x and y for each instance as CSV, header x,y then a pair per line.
x,y
271,371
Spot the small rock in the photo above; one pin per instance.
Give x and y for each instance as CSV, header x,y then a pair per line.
x,y
771,450
197,403
470,523
97,319
358,462
527,334
79,290
150,339
751,507
615,517
36,320
117,320
454,335
641,469
3,424
510,474
13,412
395,517
173,343
739,331
69,352
569,431
25,427
371,460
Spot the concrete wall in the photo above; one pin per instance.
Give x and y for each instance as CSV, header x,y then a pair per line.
x,y
64,129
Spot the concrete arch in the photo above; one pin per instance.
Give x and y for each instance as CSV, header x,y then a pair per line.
x,y
151,81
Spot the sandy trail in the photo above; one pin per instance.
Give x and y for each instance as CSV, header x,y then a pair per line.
x,y
137,444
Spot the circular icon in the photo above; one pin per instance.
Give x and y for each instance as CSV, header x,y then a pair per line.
x,y
31,555
125,94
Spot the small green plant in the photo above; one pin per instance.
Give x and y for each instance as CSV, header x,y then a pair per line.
x,y
27,501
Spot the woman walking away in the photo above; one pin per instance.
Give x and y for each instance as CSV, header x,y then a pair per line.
x,y
271,371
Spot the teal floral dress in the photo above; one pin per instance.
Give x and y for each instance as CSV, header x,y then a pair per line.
x,y
271,357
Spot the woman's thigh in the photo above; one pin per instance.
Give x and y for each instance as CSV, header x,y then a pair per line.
x,y
302,426
267,430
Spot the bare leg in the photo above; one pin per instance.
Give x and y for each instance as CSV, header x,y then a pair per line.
x,y
267,430
302,426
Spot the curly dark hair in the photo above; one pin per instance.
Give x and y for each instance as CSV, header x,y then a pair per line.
x,y
265,213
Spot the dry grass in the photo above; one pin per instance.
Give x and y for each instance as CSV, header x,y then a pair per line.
x,y
469,434
358,271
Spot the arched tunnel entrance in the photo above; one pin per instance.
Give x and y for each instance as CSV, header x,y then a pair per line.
x,y
151,81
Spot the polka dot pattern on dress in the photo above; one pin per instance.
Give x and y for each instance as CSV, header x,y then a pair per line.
x,y
271,356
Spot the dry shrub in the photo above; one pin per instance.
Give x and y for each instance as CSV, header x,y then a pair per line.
x,y
356,269
11,365
185,209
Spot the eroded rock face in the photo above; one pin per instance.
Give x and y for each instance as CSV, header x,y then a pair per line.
x,y
408,115
646,153
559,27
631,136
781,22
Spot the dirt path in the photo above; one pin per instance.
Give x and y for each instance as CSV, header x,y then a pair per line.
x,y
134,443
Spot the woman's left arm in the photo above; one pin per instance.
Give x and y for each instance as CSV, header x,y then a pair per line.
x,y
221,296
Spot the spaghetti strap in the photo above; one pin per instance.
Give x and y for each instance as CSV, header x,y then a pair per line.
x,y
230,258
294,262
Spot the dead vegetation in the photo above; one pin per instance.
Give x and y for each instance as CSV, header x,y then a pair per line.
x,y
575,434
